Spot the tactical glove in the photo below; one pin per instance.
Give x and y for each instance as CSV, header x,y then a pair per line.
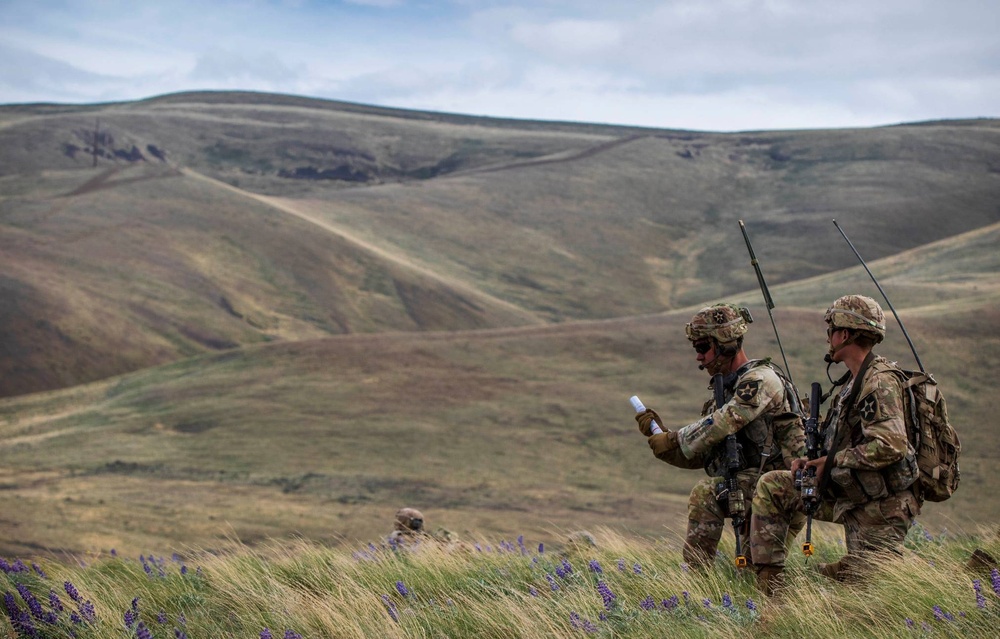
x,y
663,443
645,419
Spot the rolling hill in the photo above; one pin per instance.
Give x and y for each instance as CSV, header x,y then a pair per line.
x,y
291,316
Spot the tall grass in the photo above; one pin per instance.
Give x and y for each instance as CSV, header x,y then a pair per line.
x,y
623,586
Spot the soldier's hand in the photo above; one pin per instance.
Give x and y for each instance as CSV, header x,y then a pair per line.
x,y
645,419
798,464
663,443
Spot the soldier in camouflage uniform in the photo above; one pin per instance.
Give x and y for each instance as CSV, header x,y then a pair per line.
x,y
868,466
765,419
408,526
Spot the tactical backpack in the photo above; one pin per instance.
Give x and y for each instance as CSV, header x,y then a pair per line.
x,y
932,436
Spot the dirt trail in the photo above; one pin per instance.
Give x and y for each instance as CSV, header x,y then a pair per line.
x,y
557,159
288,206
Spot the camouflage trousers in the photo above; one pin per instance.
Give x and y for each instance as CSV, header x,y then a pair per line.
x,y
875,527
707,520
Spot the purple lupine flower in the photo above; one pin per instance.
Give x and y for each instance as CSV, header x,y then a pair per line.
x,y
541,548
19,619
33,604
648,603
588,625
184,570
727,601
552,581
402,589
75,618
670,604
266,634
574,619
142,632
291,634
181,619
391,607
71,591
909,622
707,603
87,611
161,617
687,596
938,613
606,594
995,580
520,544
595,566
38,569
621,565
129,618
179,634
980,599
636,569
751,606
477,547
135,604
561,571
532,591
54,602
603,616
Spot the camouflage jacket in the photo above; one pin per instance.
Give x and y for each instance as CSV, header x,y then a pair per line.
x,y
871,453
758,412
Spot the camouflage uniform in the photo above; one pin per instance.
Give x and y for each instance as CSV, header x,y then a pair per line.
x,y
766,425
869,471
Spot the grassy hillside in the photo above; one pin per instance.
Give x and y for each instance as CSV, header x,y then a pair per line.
x,y
218,220
623,587
502,431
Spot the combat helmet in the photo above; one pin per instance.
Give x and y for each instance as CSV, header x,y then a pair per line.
x,y
725,323
409,520
857,313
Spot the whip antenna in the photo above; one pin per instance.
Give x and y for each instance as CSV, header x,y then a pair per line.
x,y
768,302
885,297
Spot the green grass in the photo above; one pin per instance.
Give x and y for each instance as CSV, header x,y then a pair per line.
x,y
624,586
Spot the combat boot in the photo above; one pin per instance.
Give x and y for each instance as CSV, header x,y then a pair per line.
x,y
770,579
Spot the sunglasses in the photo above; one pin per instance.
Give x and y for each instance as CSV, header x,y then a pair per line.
x,y
702,347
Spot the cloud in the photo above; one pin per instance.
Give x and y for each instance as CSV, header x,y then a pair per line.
x,y
219,65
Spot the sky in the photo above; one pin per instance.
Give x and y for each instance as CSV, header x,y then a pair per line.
x,y
710,65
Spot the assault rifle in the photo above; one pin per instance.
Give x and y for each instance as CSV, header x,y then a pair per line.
x,y
737,503
806,479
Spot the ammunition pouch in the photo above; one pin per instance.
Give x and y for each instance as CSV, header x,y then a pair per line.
x,y
863,486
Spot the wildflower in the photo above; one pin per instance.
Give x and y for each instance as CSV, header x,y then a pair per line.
x,y
621,565
179,634
751,606
588,626
596,567
995,579
552,581
33,604
87,611
564,569
135,604
291,634
727,601
938,614
142,632
603,616
687,596
181,619
71,590
402,589
980,599
38,569
114,553
636,569
685,567
533,591
670,604
184,570
19,619
54,602
161,617
389,605
707,603
648,603
909,622
574,619
129,619
606,594
266,634
541,548
520,544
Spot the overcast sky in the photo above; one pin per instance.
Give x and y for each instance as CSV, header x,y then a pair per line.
x,y
717,65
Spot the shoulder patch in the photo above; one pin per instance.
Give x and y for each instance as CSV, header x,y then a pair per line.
x,y
747,390
868,407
